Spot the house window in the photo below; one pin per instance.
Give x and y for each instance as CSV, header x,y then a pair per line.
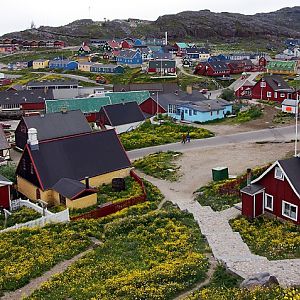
x,y
282,95
269,202
190,112
31,169
38,194
62,199
195,112
275,95
23,164
269,94
289,210
278,173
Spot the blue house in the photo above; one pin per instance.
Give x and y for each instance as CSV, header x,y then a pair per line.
x,y
129,57
200,111
138,43
108,69
64,64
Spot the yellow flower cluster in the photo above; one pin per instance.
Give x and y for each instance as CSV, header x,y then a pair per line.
x,y
268,237
276,293
151,256
27,253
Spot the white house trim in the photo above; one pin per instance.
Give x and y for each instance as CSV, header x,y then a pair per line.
x,y
269,169
265,202
282,210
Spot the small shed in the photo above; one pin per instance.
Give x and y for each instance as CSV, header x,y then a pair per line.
x,y
253,200
5,185
289,106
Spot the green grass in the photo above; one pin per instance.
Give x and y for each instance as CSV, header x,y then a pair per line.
x,y
148,135
22,215
46,54
251,114
224,194
269,237
150,256
160,165
283,118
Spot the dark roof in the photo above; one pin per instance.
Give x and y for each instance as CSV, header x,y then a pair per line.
x,y
162,55
252,189
153,64
164,99
151,87
25,96
16,87
277,83
192,50
291,168
75,157
219,66
54,125
3,140
47,83
70,188
123,113
205,105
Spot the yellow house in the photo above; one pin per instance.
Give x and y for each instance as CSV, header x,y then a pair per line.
x,y
68,170
85,66
40,64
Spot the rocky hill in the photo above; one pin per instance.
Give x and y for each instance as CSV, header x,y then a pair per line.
x,y
186,25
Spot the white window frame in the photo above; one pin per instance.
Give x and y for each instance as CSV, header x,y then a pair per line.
x,y
269,94
287,216
266,207
278,177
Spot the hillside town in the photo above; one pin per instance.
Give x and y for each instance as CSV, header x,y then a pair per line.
x,y
148,167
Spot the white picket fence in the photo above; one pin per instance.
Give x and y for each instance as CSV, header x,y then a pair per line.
x,y
60,217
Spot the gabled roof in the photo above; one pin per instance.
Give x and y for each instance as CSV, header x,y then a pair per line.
x,y
205,105
105,66
75,157
54,125
162,55
86,105
123,113
291,170
121,97
281,65
3,140
25,96
170,87
182,45
70,188
277,83
289,102
128,53
153,64
219,66
5,181
192,50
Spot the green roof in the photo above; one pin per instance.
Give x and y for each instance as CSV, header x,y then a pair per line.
x,y
90,105
182,45
120,97
86,105
282,65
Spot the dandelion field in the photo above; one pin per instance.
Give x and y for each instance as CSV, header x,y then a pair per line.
x,y
160,165
269,237
148,135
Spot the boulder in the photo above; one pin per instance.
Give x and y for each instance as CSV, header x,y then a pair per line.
x,y
261,279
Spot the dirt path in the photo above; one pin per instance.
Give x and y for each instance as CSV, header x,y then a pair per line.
x,y
35,283
212,267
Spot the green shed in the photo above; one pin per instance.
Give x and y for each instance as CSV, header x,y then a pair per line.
x,y
220,173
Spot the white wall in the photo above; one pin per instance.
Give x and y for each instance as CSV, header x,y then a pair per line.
x,y
126,127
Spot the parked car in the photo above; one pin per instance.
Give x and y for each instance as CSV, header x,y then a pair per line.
x,y
203,91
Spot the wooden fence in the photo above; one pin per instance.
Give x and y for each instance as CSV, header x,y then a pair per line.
x,y
110,208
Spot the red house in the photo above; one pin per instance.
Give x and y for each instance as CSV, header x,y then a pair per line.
x,y
151,107
276,191
5,185
273,88
126,45
216,69
244,91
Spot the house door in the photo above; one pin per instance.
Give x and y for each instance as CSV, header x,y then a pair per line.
x,y
182,115
258,204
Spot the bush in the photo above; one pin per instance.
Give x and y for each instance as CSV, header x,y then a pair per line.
x,y
228,94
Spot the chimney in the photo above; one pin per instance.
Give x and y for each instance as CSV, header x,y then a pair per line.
x,y
189,90
32,139
87,182
249,176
